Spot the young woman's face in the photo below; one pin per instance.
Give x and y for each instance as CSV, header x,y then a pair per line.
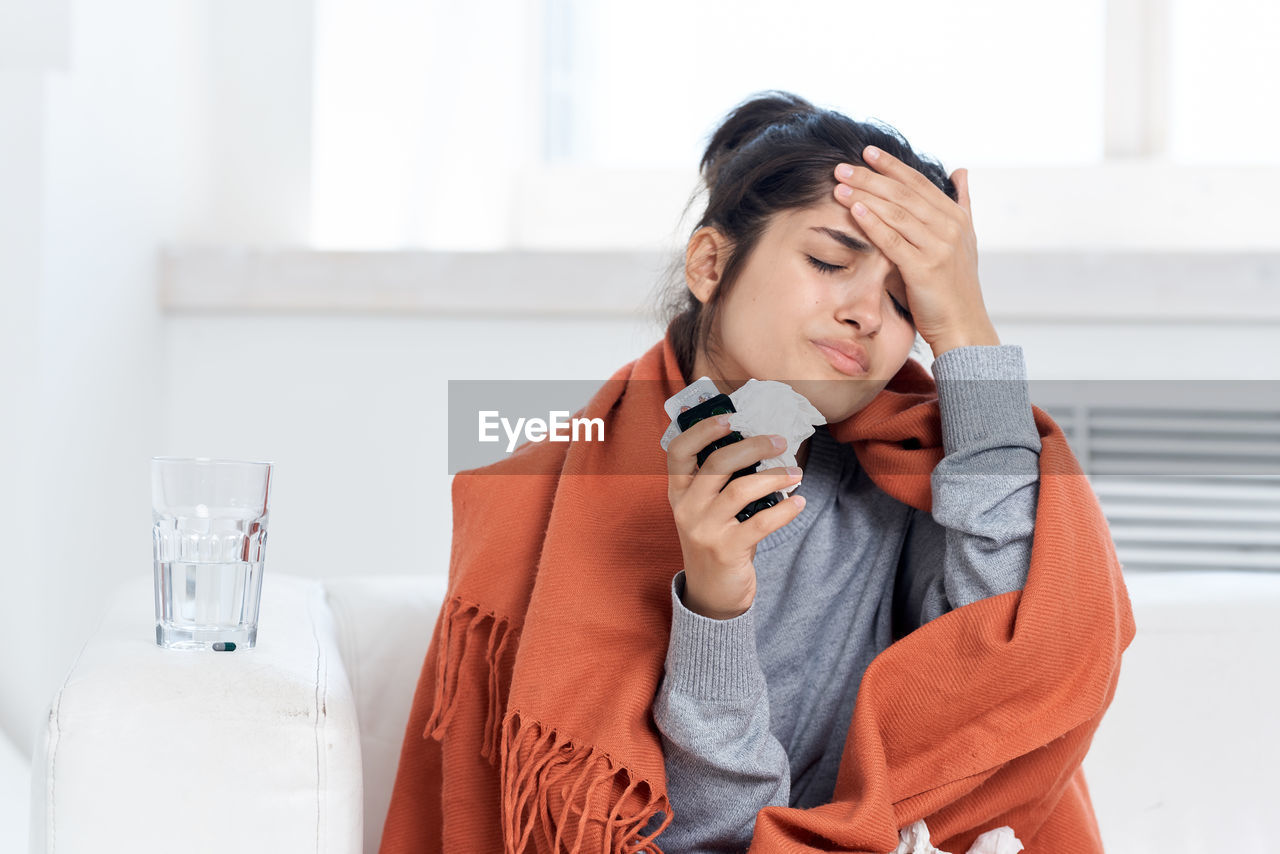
x,y
804,295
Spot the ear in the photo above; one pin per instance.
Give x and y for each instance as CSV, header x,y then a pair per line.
x,y
704,261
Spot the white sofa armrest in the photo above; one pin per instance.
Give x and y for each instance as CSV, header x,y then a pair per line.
x,y
151,749
384,627
1183,759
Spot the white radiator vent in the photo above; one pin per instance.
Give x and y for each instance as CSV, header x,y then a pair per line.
x,y
1183,487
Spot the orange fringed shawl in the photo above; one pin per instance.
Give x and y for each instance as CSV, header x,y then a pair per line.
x,y
531,730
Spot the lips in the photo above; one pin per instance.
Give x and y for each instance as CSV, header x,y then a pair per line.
x,y
844,356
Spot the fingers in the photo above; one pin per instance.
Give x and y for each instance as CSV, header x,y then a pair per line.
x,y
723,462
682,455
890,226
766,521
682,451
902,241
713,486
899,184
741,491
960,178
886,167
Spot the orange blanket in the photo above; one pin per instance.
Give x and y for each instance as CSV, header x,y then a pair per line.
x,y
531,728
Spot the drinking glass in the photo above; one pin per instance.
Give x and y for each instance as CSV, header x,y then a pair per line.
x,y
209,534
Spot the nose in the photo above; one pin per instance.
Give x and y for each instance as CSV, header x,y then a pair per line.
x,y
862,302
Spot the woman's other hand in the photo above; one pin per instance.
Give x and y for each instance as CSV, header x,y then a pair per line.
x,y
720,575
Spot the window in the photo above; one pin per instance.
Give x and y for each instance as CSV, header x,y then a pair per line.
x,y
1224,75
576,124
986,83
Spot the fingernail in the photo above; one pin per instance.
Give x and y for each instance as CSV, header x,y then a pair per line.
x,y
778,442
722,420
844,170
871,152
794,471
844,191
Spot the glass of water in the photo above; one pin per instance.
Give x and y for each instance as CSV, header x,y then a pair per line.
x,y
209,532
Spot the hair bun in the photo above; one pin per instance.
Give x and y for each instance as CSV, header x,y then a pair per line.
x,y
747,120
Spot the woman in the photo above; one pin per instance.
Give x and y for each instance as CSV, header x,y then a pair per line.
x,y
623,665
782,256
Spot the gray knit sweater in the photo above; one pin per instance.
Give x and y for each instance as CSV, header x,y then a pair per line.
x,y
753,711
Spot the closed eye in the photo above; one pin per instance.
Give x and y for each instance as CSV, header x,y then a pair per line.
x,y
824,267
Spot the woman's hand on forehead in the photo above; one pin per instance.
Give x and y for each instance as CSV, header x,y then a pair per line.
x,y
931,240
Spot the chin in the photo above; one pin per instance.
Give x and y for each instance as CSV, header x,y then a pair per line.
x,y
838,415
835,413
837,399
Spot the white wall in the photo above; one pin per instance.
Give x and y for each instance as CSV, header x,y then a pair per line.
x,y
130,140
352,410
108,172
15,797
21,664
24,64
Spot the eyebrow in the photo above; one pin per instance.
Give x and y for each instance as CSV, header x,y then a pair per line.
x,y
844,238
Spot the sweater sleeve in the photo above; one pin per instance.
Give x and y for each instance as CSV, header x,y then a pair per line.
x,y
977,540
723,763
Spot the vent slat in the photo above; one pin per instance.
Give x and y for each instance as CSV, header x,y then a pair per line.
x,y
1132,557
1183,484
1202,489
1239,516
1148,424
1145,445
1165,466
1173,533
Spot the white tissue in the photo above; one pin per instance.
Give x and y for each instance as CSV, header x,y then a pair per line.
x,y
998,841
915,840
772,407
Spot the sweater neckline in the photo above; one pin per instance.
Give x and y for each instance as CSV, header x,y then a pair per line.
x,y
823,470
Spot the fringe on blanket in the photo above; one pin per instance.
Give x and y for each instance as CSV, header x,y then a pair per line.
x,y
461,624
536,762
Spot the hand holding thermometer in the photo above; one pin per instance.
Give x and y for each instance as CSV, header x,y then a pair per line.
x,y
721,404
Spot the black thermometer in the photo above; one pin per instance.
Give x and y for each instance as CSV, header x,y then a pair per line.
x,y
721,404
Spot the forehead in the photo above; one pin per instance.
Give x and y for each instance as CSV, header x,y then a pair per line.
x,y
800,223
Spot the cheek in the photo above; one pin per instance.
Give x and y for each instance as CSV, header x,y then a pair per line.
x,y
902,349
908,338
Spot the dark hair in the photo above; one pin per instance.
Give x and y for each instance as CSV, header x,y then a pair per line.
x,y
773,152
